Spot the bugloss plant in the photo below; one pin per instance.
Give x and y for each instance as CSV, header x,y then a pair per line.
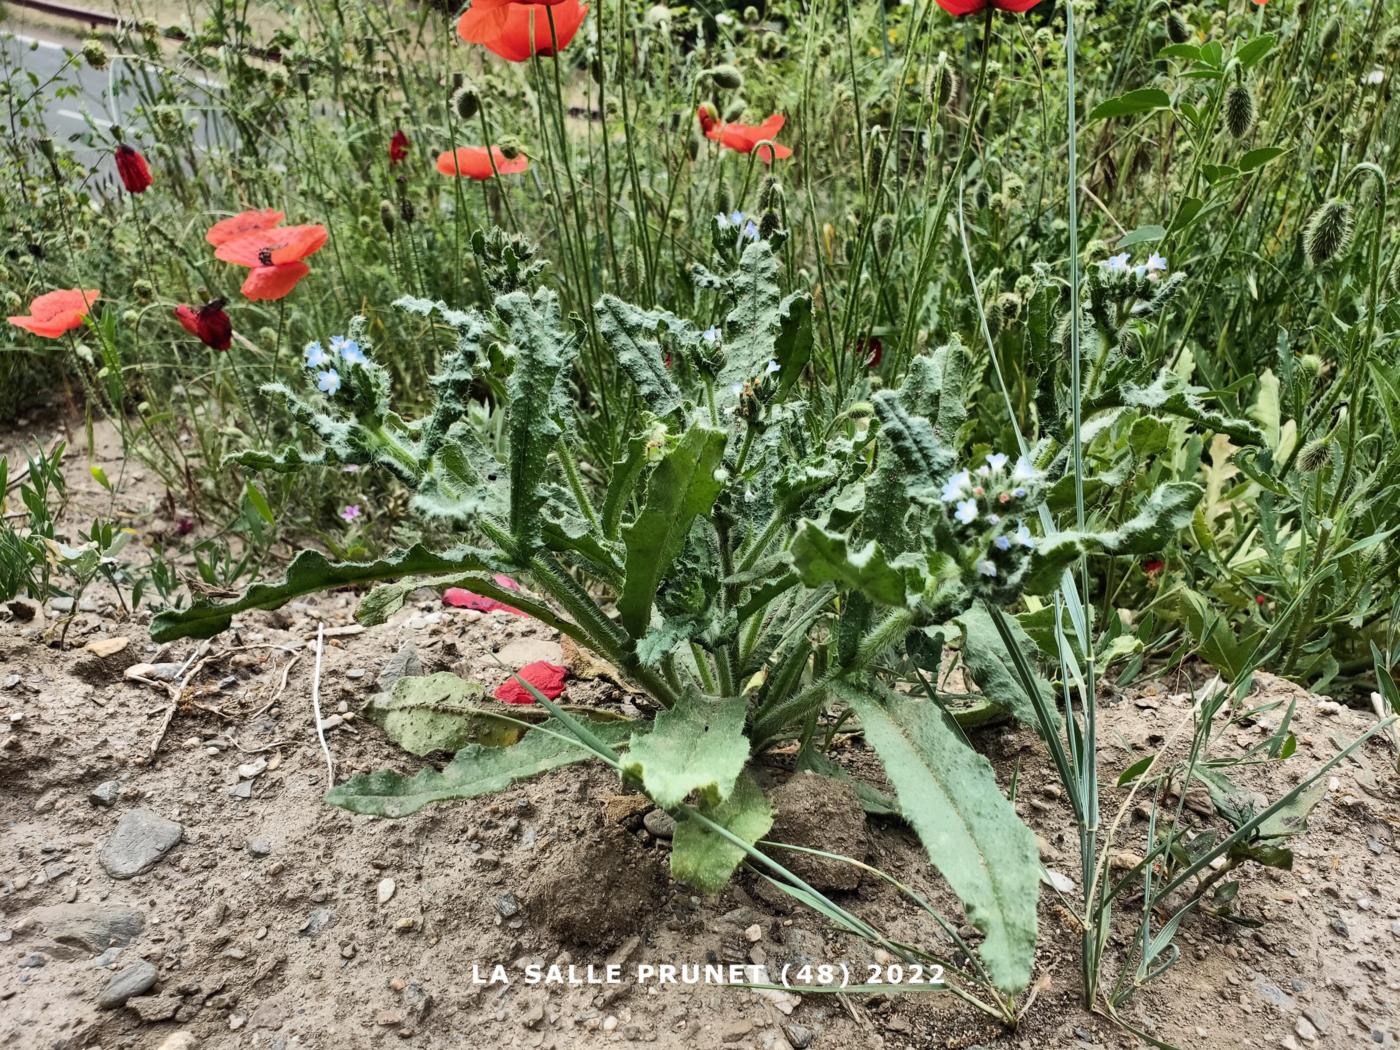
x,y
761,549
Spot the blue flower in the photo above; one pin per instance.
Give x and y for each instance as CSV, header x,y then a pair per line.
x,y
967,511
956,487
773,366
1024,537
998,460
1117,263
349,350
986,568
711,334
1002,543
328,382
316,356
751,231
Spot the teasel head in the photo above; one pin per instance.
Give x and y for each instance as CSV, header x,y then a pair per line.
x,y
1239,109
387,216
466,102
884,236
1329,231
1178,32
726,76
1316,454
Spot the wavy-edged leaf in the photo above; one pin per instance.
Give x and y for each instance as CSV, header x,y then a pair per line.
x,y
1168,393
706,859
988,663
474,771
696,746
949,794
751,327
682,486
628,330
543,353
310,572
792,348
439,712
1167,511
825,557
925,461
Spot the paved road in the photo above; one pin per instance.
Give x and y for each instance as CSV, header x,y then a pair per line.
x,y
83,103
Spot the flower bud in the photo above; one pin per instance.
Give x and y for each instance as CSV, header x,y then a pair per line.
x,y
406,211
727,77
884,236
1239,110
1329,231
1315,454
143,290
94,54
1178,32
768,225
466,102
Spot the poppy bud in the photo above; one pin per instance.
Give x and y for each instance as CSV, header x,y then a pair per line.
x,y
768,225
735,110
598,71
770,193
143,290
398,147
1178,32
727,77
406,211
304,81
1008,308
46,148
387,216
724,204
884,235
770,44
1329,231
94,54
1315,454
1331,33
1310,366
458,79
875,158
1239,110
466,102
943,83
131,167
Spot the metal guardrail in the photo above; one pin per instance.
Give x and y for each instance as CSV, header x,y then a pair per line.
x,y
76,14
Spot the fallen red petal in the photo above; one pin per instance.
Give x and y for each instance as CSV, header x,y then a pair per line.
x,y
461,598
548,678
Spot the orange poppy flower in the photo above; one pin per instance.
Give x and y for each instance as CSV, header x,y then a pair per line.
x,y
244,222
474,162
56,312
744,138
517,29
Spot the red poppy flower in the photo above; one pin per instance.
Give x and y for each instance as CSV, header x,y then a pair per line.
x,y
244,222
958,8
743,138
474,162
461,598
517,29
548,678
1153,566
56,312
209,323
398,147
274,256
871,350
131,167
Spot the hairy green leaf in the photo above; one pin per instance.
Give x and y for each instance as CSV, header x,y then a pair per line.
x,y
682,486
825,557
704,858
627,330
988,662
949,794
698,745
439,712
476,770
310,572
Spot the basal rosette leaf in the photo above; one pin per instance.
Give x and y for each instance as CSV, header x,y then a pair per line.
x,y
706,859
950,796
697,746
476,770
311,572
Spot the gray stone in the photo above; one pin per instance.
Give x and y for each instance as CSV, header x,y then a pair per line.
x,y
259,847
799,1036
660,823
127,983
105,794
155,1008
141,840
33,961
74,930
507,905
320,920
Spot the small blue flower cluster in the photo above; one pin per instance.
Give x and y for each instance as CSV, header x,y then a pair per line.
x,y
990,501
344,350
737,220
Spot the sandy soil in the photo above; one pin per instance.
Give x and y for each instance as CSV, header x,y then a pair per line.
x,y
277,921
